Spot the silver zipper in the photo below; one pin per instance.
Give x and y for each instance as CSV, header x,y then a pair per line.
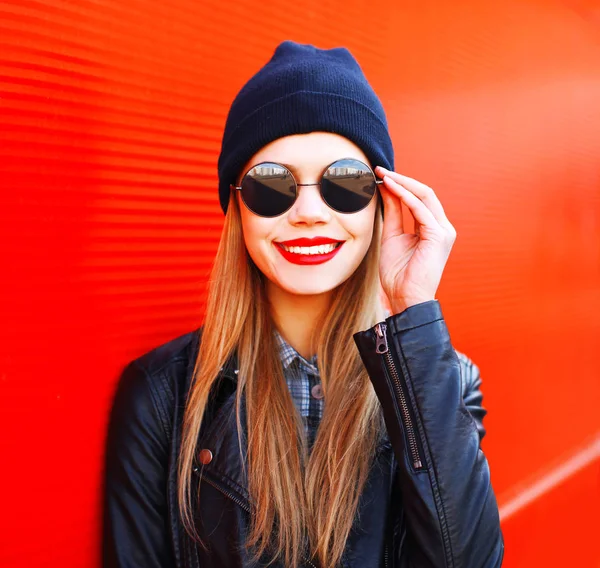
x,y
244,506
383,349
227,494
385,556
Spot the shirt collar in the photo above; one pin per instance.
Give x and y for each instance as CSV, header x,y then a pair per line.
x,y
288,355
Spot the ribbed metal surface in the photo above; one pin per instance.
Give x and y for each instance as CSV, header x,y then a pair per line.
x,y
111,118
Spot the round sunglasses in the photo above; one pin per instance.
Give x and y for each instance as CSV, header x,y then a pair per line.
x,y
269,189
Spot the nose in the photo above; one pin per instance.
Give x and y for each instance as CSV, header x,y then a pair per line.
x,y
309,208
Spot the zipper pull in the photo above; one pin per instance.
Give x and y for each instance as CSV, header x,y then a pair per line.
x,y
382,344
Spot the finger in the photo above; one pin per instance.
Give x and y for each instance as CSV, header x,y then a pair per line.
x,y
393,220
422,191
421,213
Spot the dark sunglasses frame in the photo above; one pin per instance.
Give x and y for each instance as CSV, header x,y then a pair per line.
x,y
377,182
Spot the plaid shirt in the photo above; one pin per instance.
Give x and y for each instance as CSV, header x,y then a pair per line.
x,y
304,383
302,378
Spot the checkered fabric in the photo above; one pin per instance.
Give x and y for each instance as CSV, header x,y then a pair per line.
x,y
301,376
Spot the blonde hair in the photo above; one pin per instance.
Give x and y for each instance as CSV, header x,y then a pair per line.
x,y
297,498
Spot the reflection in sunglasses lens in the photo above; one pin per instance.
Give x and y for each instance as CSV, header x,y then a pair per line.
x,y
348,186
268,189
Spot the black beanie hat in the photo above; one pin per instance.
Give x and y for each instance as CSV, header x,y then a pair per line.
x,y
303,89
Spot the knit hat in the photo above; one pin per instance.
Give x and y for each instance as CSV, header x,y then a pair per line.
x,y
303,89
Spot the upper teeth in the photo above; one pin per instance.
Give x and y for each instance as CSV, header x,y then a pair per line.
x,y
320,249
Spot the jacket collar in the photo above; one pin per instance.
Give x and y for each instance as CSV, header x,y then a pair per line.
x,y
227,468
229,370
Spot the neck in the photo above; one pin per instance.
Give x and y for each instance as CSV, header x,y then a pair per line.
x,y
296,315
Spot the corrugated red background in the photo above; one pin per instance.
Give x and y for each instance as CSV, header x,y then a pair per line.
x,y
112,114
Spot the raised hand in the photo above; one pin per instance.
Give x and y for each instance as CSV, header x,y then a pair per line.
x,y
412,264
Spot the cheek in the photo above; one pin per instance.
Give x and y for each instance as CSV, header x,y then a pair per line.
x,y
251,227
361,225
256,231
361,228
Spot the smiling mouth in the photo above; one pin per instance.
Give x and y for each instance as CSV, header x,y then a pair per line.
x,y
314,250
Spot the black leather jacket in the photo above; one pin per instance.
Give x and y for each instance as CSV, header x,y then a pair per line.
x,y
428,501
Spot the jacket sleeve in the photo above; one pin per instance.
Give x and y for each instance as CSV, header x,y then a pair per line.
x,y
435,429
471,392
135,533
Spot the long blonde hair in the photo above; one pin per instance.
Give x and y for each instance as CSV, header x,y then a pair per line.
x,y
297,498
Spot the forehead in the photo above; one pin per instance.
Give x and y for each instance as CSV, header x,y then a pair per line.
x,y
308,153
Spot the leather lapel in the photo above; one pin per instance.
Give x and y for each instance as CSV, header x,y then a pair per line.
x,y
227,467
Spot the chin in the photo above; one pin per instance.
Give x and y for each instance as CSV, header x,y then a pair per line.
x,y
308,280
306,290
308,286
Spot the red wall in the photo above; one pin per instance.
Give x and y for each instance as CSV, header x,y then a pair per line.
x,y
111,118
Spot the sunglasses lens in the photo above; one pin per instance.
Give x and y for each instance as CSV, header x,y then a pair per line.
x,y
268,189
348,186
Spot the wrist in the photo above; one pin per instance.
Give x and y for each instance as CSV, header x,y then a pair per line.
x,y
399,306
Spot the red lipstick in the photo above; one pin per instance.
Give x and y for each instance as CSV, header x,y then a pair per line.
x,y
312,242
299,258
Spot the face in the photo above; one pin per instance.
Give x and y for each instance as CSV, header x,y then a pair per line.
x,y
308,218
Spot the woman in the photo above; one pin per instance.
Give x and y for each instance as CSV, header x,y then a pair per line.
x,y
300,426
